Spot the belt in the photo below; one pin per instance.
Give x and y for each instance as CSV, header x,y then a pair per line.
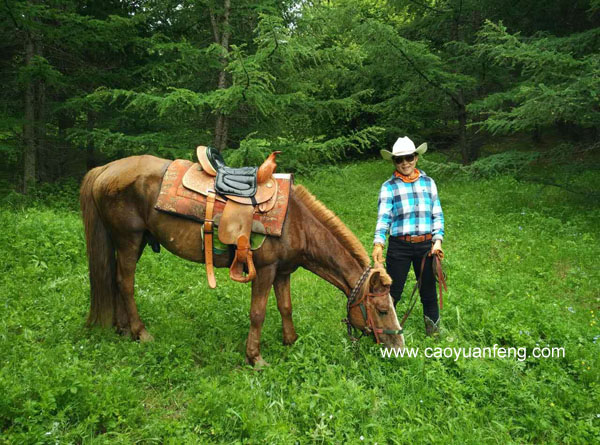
x,y
415,238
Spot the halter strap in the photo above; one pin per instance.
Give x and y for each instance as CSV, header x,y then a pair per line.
x,y
370,324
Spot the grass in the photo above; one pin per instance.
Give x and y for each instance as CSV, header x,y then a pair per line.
x,y
523,271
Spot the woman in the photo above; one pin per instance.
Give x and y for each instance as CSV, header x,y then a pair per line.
x,y
410,210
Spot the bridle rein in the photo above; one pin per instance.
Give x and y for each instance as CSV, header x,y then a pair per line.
x,y
365,309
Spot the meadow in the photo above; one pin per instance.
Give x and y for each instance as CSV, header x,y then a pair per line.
x,y
522,265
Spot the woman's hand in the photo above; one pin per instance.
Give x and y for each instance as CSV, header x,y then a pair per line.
x,y
436,249
378,253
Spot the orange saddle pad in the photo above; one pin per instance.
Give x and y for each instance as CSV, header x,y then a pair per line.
x,y
175,198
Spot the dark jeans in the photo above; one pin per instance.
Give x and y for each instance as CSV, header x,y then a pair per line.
x,y
400,255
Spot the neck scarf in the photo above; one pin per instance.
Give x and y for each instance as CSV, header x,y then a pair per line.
x,y
412,178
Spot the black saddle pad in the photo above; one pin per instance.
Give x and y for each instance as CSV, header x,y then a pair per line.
x,y
236,181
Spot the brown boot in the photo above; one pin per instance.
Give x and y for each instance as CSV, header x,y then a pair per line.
x,y
432,329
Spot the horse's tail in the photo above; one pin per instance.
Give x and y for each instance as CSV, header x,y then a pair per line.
x,y
101,256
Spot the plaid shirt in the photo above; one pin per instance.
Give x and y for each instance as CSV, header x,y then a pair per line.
x,y
409,209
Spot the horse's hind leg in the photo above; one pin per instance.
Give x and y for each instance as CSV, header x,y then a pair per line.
x,y
127,256
284,304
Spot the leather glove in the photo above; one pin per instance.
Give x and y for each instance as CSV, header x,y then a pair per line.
x,y
436,249
378,254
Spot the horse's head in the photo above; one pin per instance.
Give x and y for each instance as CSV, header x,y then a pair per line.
x,y
372,309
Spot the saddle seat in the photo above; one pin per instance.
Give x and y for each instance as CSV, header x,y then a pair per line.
x,y
230,181
244,191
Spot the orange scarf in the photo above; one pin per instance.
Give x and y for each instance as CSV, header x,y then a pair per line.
x,y
412,178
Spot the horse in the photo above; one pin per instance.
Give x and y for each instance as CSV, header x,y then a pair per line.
x,y
117,203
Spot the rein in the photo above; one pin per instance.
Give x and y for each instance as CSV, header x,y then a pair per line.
x,y
439,275
364,308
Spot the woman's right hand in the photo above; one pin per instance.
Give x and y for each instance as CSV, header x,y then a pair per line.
x,y
378,253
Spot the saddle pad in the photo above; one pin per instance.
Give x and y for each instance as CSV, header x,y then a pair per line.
x,y
175,199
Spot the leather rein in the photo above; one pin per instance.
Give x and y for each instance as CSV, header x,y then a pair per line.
x,y
439,275
365,310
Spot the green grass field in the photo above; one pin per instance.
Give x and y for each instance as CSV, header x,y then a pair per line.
x,y
522,262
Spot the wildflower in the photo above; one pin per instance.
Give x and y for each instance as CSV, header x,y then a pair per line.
x,y
520,228
570,309
330,416
362,437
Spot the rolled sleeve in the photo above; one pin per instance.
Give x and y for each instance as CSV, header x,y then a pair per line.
x,y
384,214
437,215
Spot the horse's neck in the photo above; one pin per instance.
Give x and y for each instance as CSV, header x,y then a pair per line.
x,y
326,256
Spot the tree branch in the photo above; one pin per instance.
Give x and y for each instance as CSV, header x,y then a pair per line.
x,y
453,97
431,8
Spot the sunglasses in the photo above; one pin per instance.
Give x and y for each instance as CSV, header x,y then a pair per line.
x,y
400,159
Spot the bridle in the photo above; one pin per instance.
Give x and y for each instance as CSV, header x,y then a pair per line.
x,y
365,310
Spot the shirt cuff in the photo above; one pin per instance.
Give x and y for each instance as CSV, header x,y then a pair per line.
x,y
437,237
378,240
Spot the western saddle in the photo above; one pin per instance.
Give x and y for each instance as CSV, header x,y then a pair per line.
x,y
244,191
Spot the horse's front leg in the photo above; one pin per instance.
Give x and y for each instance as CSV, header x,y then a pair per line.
x,y
284,304
261,287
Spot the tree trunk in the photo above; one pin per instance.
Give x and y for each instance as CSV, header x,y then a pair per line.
x,y
30,149
462,129
44,159
90,157
222,38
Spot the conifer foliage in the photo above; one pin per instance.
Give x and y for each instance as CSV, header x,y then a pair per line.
x,y
84,82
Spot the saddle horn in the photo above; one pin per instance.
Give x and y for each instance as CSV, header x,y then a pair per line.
x,y
265,171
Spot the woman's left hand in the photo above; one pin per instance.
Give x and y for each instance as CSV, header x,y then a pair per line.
x,y
436,249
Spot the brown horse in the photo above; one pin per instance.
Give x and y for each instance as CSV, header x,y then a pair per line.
x,y
117,202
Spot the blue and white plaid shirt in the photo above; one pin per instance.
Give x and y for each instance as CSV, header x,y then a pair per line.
x,y
409,209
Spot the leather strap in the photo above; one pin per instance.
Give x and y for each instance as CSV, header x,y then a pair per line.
x,y
208,239
440,276
415,238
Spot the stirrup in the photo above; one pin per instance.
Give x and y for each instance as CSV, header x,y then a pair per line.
x,y
243,255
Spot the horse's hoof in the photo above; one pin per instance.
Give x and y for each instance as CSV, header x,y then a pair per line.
x,y
260,364
125,332
290,340
145,336
257,362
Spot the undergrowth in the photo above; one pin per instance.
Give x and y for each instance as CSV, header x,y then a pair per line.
x,y
522,267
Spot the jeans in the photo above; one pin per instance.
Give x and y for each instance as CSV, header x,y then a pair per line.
x,y
400,255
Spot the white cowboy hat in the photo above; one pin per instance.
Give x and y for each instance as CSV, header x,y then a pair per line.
x,y
403,146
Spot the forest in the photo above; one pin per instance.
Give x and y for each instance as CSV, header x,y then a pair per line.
x,y
84,82
505,93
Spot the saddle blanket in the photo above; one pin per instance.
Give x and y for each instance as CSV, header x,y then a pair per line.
x,y
176,199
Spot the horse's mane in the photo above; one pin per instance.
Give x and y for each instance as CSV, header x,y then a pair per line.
x,y
334,225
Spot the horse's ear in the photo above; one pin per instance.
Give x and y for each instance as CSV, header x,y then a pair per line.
x,y
375,278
